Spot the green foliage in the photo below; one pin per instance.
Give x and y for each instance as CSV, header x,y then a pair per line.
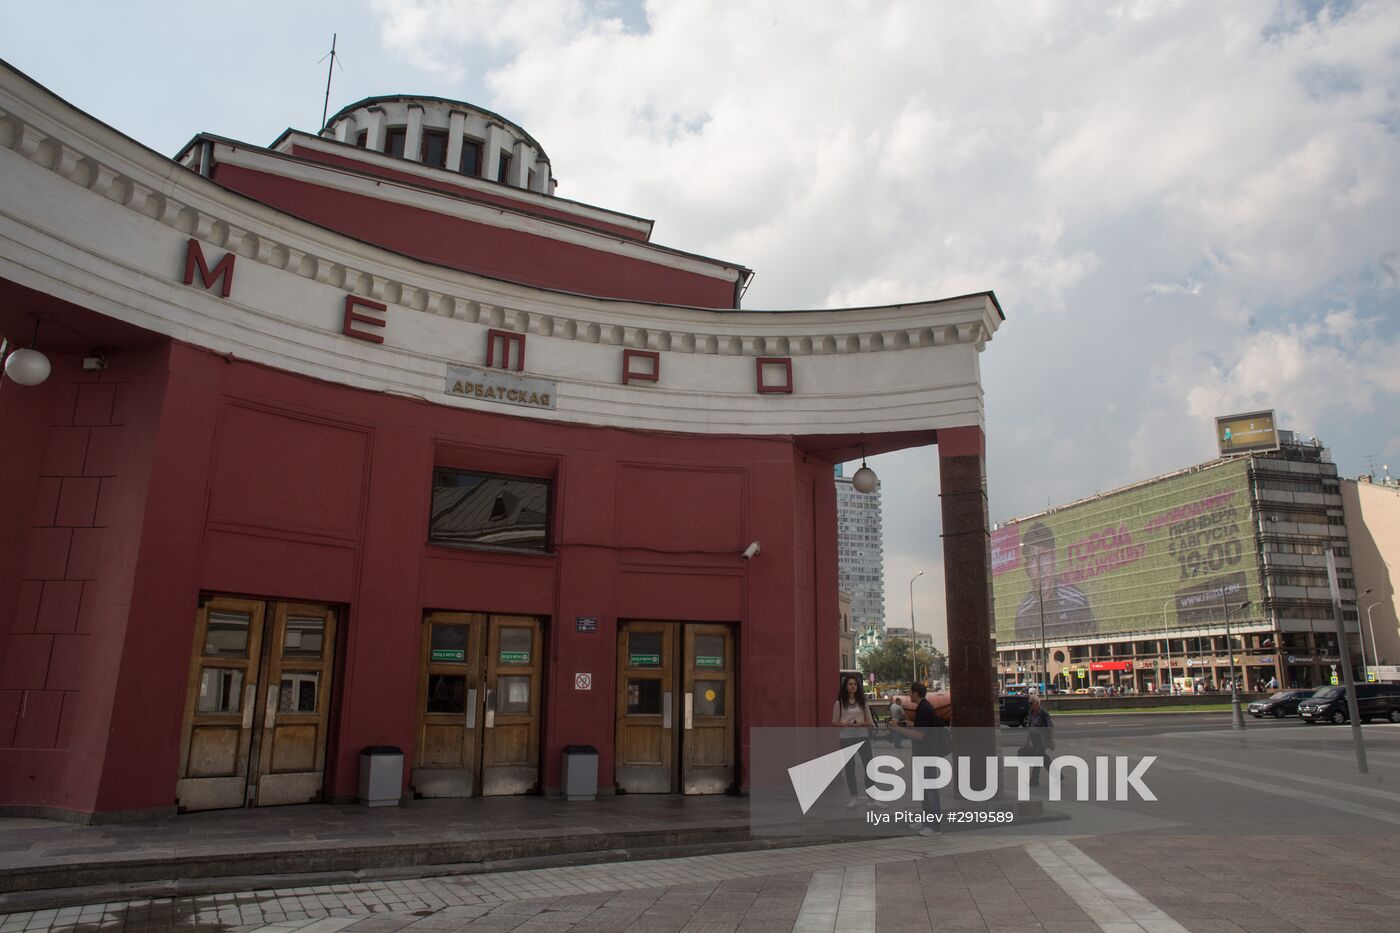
x,y
890,662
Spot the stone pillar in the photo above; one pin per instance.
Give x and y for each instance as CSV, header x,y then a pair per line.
x,y
496,140
413,137
967,575
373,123
456,126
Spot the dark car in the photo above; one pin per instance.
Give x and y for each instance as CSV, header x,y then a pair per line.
x,y
1373,701
1014,709
1281,704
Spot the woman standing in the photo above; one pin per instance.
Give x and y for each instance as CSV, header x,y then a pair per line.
x,y
853,716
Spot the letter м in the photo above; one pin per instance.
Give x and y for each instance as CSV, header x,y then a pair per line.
x,y
194,257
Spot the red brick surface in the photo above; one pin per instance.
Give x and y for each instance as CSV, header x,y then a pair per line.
x,y
68,664
26,662
38,722
85,558
27,606
65,452
47,557
105,452
45,500
59,610
95,404
77,502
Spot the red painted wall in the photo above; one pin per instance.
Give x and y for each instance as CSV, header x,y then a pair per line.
x,y
82,455
502,199
226,477
514,255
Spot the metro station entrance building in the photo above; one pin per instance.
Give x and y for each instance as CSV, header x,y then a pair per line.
x,y
368,438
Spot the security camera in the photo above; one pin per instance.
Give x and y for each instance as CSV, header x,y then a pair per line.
x,y
750,551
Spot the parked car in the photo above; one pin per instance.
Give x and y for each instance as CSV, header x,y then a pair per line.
x,y
1014,709
1281,704
1373,701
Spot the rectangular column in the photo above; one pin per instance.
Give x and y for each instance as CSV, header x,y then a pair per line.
x,y
967,575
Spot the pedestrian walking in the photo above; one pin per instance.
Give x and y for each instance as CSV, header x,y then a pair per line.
x,y
851,713
898,718
929,736
1040,736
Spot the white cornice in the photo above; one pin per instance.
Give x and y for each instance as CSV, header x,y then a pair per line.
x,y
527,199
95,218
494,215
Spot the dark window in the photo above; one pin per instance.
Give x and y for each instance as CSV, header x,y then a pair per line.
x,y
394,140
503,169
471,158
479,509
447,693
435,148
362,138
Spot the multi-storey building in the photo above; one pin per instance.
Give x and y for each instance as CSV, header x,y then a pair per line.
x,y
860,552
370,438
1139,586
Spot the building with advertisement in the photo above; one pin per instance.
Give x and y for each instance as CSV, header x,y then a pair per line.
x,y
1132,587
860,552
369,438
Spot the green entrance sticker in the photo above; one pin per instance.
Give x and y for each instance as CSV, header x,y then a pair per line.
x,y
708,660
449,654
515,657
644,660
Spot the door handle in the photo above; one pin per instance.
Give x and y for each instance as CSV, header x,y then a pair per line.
x,y
270,714
666,710
689,710
490,709
250,696
471,708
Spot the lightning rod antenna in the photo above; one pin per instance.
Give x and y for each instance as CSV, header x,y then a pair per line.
x,y
330,70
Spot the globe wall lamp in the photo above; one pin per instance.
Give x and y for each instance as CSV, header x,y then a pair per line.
x,y
864,479
27,366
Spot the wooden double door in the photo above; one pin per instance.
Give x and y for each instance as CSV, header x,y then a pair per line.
x,y
676,693
257,704
479,705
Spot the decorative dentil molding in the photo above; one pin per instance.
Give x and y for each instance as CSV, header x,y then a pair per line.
x,y
146,183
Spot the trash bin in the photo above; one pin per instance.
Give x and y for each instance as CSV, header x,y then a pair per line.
x,y
381,775
580,772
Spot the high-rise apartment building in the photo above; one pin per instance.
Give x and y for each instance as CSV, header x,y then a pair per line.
x,y
860,552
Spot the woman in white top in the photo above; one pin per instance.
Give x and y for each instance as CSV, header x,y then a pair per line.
x,y
853,716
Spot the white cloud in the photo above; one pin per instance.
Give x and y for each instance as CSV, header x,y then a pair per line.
x,y
1184,208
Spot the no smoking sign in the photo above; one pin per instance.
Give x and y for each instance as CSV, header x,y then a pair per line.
x,y
583,681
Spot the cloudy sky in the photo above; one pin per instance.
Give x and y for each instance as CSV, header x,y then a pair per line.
x,y
1186,208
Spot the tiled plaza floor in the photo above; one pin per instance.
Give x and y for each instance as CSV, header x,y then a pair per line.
x,y
1119,884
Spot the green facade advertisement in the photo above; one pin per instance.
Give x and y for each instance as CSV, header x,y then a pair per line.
x,y
1158,556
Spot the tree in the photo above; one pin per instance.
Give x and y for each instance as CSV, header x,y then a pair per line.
x,y
890,662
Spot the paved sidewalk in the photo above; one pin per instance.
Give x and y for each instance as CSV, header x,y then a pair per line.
x,y
1118,884
36,854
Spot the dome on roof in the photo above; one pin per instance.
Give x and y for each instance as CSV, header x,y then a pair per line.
x,y
448,134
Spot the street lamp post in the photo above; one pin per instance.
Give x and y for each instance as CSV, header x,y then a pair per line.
x,y
1362,635
913,632
1375,661
1236,713
1044,675
1171,679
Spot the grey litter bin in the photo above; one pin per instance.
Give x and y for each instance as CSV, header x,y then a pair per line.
x,y
580,772
381,775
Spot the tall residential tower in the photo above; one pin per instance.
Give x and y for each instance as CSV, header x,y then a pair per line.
x,y
860,553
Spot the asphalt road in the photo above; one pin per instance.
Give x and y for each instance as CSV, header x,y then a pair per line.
x,y
1126,724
